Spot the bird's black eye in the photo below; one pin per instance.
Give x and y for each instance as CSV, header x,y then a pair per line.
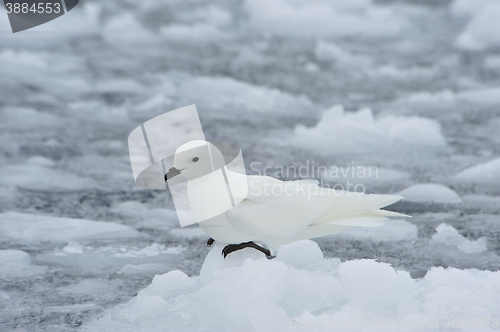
x,y
195,159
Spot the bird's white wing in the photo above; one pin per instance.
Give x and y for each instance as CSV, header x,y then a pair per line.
x,y
276,208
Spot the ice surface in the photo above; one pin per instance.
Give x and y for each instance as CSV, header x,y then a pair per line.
x,y
340,132
300,287
223,93
137,35
35,174
482,32
324,19
188,232
430,192
444,96
208,24
330,52
364,175
450,236
116,258
23,226
144,217
487,96
486,203
492,63
92,287
468,8
487,173
17,263
392,230
145,269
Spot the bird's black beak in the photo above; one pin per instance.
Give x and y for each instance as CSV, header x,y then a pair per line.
x,y
171,173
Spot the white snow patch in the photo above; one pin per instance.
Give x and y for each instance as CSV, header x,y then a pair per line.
x,y
277,294
450,236
487,173
301,254
31,227
430,192
483,30
340,132
17,263
392,230
318,18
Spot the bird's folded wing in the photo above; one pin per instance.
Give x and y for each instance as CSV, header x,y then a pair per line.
x,y
282,209
275,208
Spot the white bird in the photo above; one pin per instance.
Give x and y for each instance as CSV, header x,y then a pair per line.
x,y
274,216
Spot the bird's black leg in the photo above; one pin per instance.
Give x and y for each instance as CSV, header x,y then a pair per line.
x,y
210,242
235,247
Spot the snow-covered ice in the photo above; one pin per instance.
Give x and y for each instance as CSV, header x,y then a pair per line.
x,y
29,227
487,173
450,236
482,31
17,263
340,132
318,18
430,192
247,292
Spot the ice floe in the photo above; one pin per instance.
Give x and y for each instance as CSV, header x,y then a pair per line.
x,y
30,227
340,132
430,192
247,292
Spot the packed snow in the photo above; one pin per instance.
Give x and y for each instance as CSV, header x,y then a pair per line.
x,y
247,292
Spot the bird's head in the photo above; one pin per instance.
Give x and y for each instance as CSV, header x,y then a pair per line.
x,y
195,159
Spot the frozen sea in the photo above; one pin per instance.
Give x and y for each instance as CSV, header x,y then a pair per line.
x,y
411,88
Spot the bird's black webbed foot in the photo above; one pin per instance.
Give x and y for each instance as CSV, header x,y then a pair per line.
x,y
210,242
235,247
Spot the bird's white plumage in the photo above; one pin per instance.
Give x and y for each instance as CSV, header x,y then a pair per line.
x,y
277,212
